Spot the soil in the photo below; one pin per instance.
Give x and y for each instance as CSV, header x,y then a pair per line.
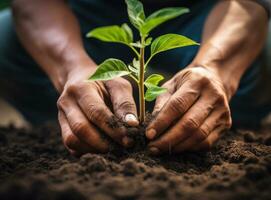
x,y
137,134
35,165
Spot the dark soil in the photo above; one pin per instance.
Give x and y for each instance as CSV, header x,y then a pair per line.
x,y
135,133
35,165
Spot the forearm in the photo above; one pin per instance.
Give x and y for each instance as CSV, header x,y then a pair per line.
x,y
233,36
50,33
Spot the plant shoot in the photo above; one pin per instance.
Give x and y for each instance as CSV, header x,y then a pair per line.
x,y
111,68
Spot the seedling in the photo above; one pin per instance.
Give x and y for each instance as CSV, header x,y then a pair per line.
x,y
112,68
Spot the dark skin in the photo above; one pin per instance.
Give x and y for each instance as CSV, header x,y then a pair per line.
x,y
194,112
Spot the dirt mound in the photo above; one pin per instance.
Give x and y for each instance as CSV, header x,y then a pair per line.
x,y
35,165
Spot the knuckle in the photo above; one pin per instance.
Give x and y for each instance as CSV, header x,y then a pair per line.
x,y
178,104
226,116
201,134
190,124
126,105
204,80
193,93
96,113
78,127
73,88
220,100
183,78
208,109
182,75
200,74
88,100
62,102
120,84
219,97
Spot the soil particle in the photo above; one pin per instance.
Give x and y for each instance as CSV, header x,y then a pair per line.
x,y
255,172
267,141
35,165
3,138
249,136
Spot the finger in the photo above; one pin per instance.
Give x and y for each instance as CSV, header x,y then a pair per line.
x,y
93,106
71,142
208,126
184,128
160,102
174,108
83,129
121,95
209,142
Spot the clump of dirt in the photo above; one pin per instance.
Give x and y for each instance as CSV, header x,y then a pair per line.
x,y
135,133
35,165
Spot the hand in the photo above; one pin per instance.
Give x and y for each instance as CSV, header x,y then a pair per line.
x,y
85,108
191,115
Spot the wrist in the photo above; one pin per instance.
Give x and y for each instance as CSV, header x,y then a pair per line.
x,y
78,66
228,67
228,78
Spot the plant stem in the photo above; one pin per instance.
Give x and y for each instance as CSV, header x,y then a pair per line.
x,y
141,83
147,63
134,78
134,50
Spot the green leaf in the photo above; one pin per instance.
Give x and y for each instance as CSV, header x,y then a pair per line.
x,y
148,41
110,69
128,31
135,66
170,41
160,17
112,34
136,63
133,69
154,92
136,12
153,80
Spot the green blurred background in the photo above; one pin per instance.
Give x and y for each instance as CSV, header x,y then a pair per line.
x,y
4,4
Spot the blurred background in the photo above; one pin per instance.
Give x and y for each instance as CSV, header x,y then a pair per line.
x,y
8,115
4,4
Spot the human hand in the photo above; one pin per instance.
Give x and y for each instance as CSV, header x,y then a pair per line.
x,y
191,115
85,108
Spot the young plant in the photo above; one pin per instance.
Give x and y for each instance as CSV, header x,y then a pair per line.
x,y
112,68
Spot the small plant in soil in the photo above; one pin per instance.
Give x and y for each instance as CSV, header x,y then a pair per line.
x,y
112,68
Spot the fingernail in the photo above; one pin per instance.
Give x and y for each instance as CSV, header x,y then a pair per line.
x,y
151,133
154,151
131,120
127,142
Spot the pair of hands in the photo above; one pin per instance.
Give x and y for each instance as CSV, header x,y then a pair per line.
x,y
190,116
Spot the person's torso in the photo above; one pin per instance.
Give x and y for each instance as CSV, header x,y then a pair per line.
x,y
108,12
97,13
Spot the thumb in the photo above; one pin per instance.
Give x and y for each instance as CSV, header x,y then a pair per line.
x,y
123,103
159,103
